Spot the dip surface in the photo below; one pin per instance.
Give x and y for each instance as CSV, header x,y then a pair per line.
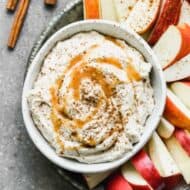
x,y
92,97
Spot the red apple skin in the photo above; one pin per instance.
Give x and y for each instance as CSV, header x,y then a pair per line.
x,y
118,182
172,181
175,116
145,167
186,82
169,15
185,49
140,187
184,139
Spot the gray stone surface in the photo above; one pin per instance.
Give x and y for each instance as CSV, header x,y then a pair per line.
x,y
22,167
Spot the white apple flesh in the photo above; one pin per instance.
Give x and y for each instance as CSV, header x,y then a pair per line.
x,y
169,50
178,71
108,10
182,90
143,15
165,128
134,178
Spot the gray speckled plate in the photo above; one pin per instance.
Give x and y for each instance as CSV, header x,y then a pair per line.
x,y
73,12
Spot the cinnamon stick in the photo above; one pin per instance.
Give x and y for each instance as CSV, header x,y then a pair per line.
x,y
11,5
18,22
50,2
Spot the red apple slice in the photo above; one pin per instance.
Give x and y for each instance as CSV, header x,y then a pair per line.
x,y
180,46
180,156
165,128
146,168
185,13
108,11
161,158
134,178
179,70
163,161
91,9
93,180
182,90
184,139
118,182
143,15
176,112
169,15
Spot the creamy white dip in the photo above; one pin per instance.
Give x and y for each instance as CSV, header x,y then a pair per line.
x,y
92,97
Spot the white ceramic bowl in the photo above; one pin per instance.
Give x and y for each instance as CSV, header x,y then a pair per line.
x,y
158,83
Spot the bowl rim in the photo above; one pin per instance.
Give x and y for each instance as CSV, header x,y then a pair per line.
x,y
40,142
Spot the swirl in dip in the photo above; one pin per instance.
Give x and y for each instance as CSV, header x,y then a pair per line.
x,y
92,97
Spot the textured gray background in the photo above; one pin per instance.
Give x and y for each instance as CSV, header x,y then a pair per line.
x,y
22,167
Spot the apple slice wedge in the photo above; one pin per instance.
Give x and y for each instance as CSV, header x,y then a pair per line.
x,y
182,90
108,10
184,139
165,128
118,182
185,13
180,156
134,178
176,112
178,71
169,15
93,180
163,161
143,15
148,171
91,9
169,50
161,157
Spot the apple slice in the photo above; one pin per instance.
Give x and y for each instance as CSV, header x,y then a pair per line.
x,y
184,139
169,15
161,158
179,70
134,178
118,182
163,161
182,90
176,112
124,8
93,180
91,9
180,46
180,156
165,128
143,15
185,13
146,168
108,11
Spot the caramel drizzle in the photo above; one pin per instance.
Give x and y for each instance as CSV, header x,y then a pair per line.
x,y
132,74
94,75
79,73
110,60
